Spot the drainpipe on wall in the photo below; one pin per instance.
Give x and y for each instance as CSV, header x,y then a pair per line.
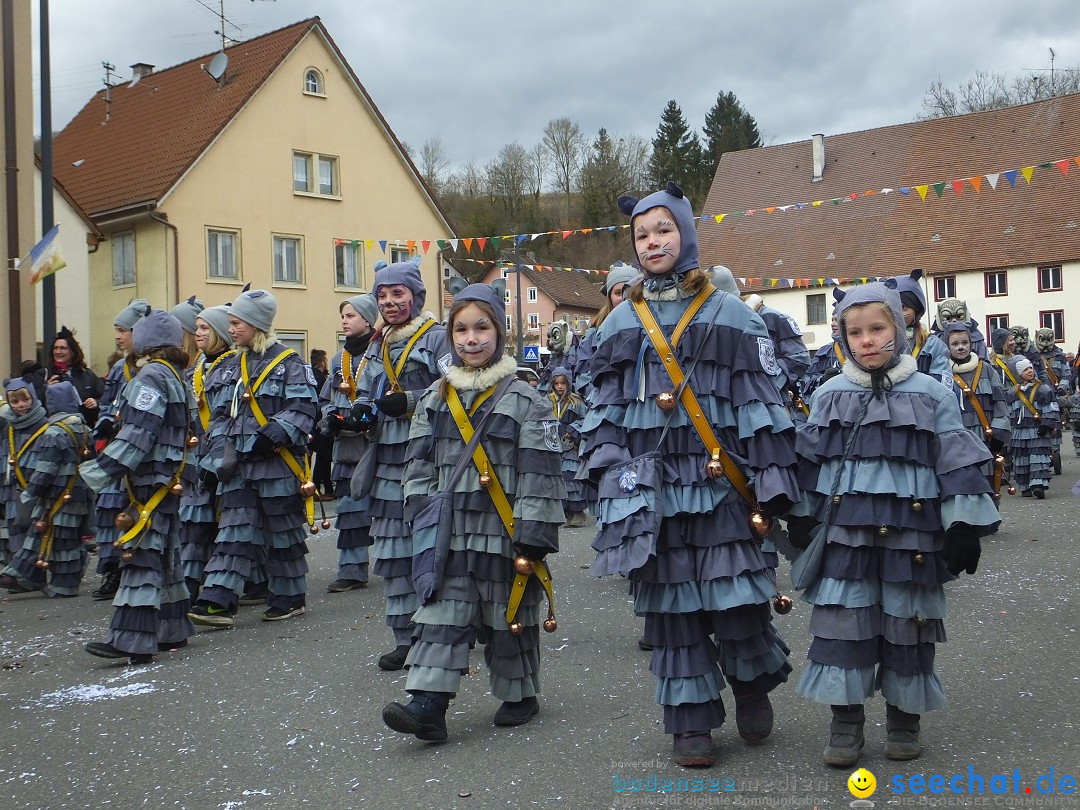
x,y
11,188
164,220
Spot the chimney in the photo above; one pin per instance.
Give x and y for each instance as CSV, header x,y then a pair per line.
x,y
818,148
140,69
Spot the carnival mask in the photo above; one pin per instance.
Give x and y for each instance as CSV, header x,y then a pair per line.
x,y
559,337
1023,339
951,310
1044,339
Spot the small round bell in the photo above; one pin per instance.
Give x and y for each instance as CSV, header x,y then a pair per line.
x,y
308,489
40,525
921,622
714,469
11,461
485,479
123,520
989,432
176,489
313,529
85,453
1037,417
326,524
1012,489
919,558
883,531
760,523
127,556
665,401
192,441
344,387
917,506
836,500
66,497
245,397
999,459
782,604
523,565
550,625
43,564
118,544
516,628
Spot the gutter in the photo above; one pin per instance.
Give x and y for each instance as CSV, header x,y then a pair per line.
x,y
164,220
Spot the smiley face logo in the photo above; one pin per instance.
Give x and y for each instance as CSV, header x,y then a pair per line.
x,y
862,784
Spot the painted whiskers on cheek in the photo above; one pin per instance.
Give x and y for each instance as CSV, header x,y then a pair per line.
x,y
890,346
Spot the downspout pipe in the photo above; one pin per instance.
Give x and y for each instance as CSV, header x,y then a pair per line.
x,y
11,188
164,220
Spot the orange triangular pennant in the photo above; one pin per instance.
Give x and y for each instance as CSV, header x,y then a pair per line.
x,y
411,245
976,183
769,210
468,244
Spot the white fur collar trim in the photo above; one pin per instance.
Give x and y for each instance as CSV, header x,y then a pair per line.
x,y
670,294
467,379
898,373
396,334
964,368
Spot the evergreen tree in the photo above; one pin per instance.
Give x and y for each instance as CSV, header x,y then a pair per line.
x,y
728,128
677,155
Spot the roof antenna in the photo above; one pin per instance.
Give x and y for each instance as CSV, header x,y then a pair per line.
x,y
108,88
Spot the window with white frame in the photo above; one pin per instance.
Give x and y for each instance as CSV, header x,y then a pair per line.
x,y
347,264
506,296
509,323
1054,319
297,341
996,322
531,295
123,259
288,260
1050,278
313,81
398,254
944,287
534,320
996,283
315,174
815,308
222,255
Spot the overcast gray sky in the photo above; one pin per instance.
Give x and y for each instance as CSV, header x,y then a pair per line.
x,y
483,73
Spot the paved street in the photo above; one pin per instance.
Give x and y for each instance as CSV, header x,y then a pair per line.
x,y
287,714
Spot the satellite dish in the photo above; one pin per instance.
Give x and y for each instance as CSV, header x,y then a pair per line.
x,y
217,66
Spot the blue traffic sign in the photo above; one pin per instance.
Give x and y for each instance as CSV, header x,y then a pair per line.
x,y
532,354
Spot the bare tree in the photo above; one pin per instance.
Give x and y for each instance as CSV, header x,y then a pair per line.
x,y
434,163
566,144
538,163
993,91
508,178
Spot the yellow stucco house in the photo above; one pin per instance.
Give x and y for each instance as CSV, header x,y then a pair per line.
x,y
271,165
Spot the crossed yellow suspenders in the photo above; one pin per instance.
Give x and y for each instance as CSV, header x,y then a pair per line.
x,y
969,392
348,379
393,370
198,383
45,526
303,474
490,481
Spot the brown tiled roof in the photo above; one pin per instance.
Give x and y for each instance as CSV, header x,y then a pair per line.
x,y
159,125
883,235
568,288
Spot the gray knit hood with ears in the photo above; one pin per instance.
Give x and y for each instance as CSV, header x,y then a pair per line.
x,y
875,292
673,199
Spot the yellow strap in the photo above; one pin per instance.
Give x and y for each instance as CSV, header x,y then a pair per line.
x,y
303,474
1028,403
839,354
693,409
480,459
46,543
1050,373
394,371
517,590
1005,368
969,392
198,385
555,405
347,375
26,446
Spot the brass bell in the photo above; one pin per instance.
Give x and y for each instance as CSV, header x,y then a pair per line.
x,y
326,524
245,397
313,529
66,497
782,604
836,500
760,523
118,544
920,621
516,628
714,469
85,452
1037,417
177,489
11,461
308,489
550,625
127,556
665,401
344,387
192,441
123,520
523,565
40,525
485,479
919,558
999,459
43,564
1012,489
989,432
917,506
883,531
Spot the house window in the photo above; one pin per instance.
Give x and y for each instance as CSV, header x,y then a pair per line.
x,y
509,323
399,254
222,256
815,308
315,174
347,271
1050,278
1054,319
288,260
123,259
313,82
297,341
531,295
506,296
944,287
996,322
534,320
996,283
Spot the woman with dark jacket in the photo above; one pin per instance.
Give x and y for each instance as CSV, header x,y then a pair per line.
x,y
67,363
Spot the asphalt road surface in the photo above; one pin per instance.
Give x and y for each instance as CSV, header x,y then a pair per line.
x,y
283,715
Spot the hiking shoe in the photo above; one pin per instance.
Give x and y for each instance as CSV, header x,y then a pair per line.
x,y
694,749
644,645
845,736
103,650
517,713
110,584
902,742
255,595
424,717
15,585
1038,492
281,614
342,585
754,717
210,615
394,660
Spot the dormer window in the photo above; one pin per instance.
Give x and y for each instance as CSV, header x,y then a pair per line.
x,y
313,82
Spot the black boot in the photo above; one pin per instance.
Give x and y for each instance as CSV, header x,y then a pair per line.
x,y
902,728
753,712
518,712
395,659
424,716
110,584
845,736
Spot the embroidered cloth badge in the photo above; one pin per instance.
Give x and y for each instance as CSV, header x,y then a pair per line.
x,y
146,399
767,356
551,436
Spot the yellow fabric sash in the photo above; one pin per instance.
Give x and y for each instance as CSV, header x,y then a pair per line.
x,y
969,392
480,458
555,405
347,375
1029,403
1005,368
394,371
19,454
45,544
303,474
198,383
839,354
693,409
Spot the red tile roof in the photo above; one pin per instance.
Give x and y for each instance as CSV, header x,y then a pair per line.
x,y
568,288
885,235
158,126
